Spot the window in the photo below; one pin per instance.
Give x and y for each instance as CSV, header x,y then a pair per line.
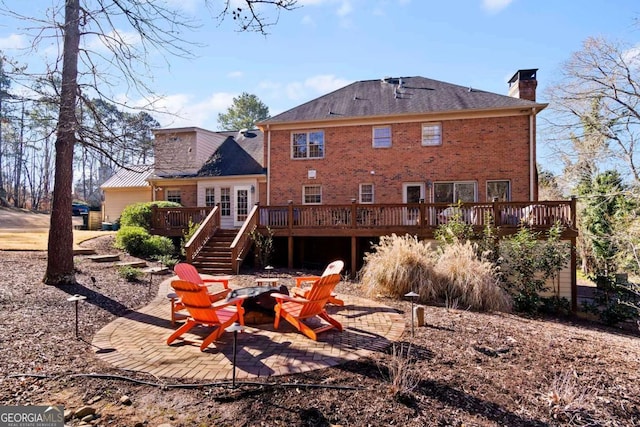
x,y
174,196
209,197
500,190
225,201
311,194
382,137
431,134
307,145
454,192
366,193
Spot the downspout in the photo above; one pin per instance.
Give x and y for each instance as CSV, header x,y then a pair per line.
x,y
532,154
268,165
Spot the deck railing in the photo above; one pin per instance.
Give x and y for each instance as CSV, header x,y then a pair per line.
x,y
175,221
242,241
418,215
202,235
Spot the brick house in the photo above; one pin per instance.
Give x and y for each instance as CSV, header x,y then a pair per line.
x,y
375,157
402,140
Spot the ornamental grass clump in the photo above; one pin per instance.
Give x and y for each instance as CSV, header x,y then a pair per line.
x,y
469,282
398,265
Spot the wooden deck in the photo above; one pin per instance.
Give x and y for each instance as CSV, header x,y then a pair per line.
x,y
363,220
421,219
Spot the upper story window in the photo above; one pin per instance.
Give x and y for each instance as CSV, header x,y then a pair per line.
x,y
454,192
500,190
307,145
366,193
311,194
382,136
225,201
209,197
174,196
431,134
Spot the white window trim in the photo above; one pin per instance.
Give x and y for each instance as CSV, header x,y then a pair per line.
x,y
307,132
429,144
373,137
170,190
497,180
304,194
213,191
228,215
373,193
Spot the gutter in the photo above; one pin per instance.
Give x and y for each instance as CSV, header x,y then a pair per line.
x,y
268,165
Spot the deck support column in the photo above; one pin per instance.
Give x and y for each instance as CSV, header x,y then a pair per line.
x,y
354,256
290,252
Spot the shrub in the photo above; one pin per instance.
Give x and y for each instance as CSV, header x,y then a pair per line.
x,y
166,260
130,274
157,245
399,265
132,240
263,246
527,264
139,214
401,373
192,227
469,281
138,242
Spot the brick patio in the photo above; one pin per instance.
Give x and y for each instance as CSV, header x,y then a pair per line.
x,y
137,342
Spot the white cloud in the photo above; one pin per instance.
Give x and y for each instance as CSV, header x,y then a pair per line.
x,y
632,56
306,89
183,110
308,21
13,41
235,74
100,43
345,9
495,6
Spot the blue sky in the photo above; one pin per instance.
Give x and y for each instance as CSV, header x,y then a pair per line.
x,y
326,44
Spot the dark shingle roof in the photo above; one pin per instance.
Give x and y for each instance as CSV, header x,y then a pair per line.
x,y
397,96
239,154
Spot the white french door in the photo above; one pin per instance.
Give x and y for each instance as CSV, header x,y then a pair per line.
x,y
242,203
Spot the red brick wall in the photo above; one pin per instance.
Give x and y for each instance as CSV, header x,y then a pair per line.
x,y
472,150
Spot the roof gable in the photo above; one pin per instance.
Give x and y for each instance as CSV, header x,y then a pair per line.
x,y
239,155
397,96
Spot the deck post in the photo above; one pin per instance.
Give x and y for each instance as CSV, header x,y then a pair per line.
x,y
354,211
574,279
354,256
290,252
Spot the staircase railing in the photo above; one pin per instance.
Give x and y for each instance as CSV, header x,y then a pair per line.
x,y
242,241
205,231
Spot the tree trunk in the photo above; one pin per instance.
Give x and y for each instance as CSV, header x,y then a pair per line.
x,y
60,247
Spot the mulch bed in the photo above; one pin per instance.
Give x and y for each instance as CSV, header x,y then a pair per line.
x,y
461,368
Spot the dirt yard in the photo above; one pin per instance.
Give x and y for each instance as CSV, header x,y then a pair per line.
x,y
460,369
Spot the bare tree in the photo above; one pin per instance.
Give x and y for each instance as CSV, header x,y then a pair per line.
x,y
595,105
159,28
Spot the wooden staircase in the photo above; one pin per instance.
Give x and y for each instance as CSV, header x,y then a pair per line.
x,y
215,256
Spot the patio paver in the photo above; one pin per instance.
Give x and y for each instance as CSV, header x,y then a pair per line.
x,y
138,342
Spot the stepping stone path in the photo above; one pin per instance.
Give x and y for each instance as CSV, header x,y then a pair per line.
x,y
131,264
104,258
84,251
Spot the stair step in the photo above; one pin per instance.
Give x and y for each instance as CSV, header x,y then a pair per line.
x,y
104,258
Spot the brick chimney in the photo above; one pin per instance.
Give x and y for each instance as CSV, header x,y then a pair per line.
x,y
523,84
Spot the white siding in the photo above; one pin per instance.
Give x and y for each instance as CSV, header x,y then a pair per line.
x,y
227,222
